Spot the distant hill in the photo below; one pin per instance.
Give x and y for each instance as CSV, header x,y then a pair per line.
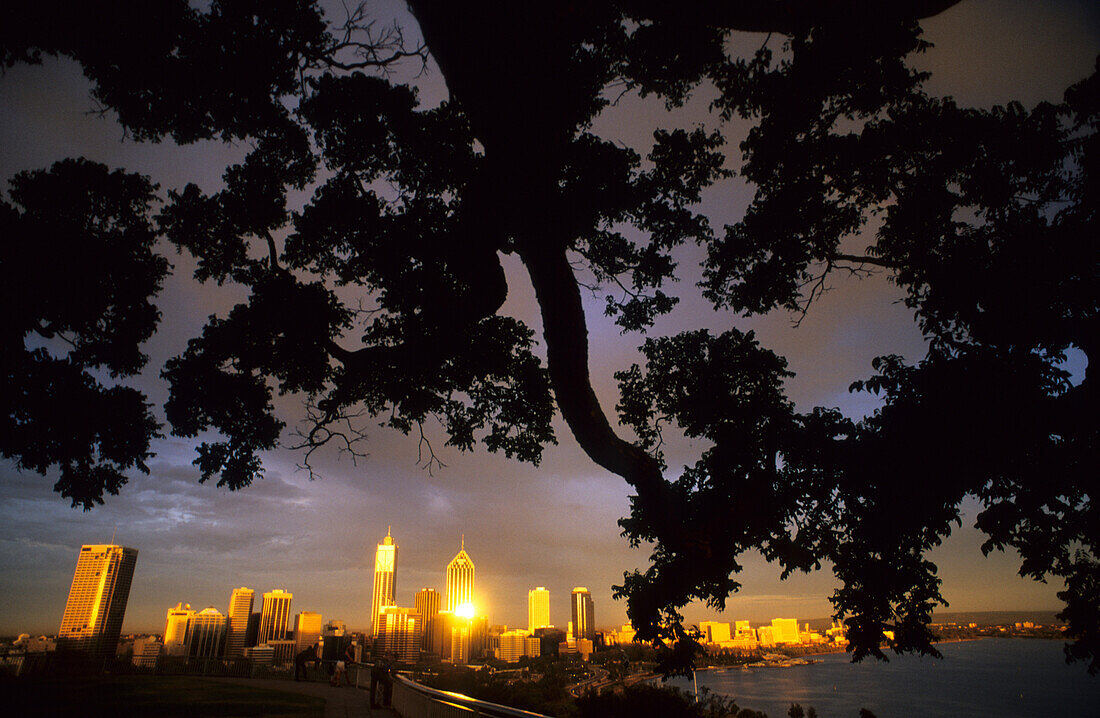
x,y
982,618
995,618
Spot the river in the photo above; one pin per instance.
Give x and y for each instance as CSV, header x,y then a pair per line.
x,y
992,678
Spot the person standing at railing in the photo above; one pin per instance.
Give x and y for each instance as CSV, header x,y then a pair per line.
x,y
301,659
381,675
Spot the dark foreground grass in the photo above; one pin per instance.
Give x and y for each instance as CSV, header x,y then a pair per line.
x,y
167,696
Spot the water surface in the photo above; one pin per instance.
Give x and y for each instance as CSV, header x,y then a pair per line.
x,y
1005,678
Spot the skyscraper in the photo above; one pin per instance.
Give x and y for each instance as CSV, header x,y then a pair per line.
x,y
385,579
460,580
427,603
176,624
275,618
538,608
400,633
583,618
307,630
206,633
97,599
240,608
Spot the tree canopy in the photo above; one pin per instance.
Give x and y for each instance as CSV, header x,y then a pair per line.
x,y
985,219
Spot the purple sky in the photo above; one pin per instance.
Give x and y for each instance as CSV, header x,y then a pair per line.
x,y
550,526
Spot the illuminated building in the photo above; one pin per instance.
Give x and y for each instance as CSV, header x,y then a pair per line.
x,y
94,611
441,633
460,644
583,614
714,631
538,609
176,624
206,633
263,655
785,630
283,650
307,630
622,636
460,580
427,602
275,616
512,646
385,578
240,608
146,651
532,646
399,634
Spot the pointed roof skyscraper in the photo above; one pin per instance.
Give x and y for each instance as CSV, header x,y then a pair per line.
x,y
385,578
460,579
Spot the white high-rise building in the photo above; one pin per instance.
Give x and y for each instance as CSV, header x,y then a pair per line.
x,y
240,608
275,617
460,580
97,599
538,608
385,579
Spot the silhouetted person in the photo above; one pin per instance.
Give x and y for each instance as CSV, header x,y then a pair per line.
x,y
342,666
381,673
387,681
301,659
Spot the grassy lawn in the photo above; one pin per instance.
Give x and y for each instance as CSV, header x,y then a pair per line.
x,y
150,696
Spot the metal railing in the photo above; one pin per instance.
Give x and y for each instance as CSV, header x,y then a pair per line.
x,y
412,700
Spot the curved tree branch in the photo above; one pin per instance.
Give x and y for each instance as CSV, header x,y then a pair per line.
x,y
566,334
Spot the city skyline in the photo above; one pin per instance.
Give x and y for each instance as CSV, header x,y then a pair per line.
x,y
198,541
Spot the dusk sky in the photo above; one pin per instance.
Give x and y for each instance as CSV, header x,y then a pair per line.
x,y
552,525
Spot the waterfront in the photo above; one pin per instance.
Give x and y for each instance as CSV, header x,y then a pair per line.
x,y
1007,678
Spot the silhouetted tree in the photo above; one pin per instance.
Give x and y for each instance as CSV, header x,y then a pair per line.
x,y
985,218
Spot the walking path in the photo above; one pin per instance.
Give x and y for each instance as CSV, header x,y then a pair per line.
x,y
342,702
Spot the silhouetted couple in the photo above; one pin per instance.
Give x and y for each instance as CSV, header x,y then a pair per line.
x,y
381,673
301,659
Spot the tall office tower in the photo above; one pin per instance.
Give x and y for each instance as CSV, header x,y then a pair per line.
x,y
583,620
400,633
538,608
427,602
275,617
385,579
240,608
307,630
206,633
460,580
175,629
97,599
